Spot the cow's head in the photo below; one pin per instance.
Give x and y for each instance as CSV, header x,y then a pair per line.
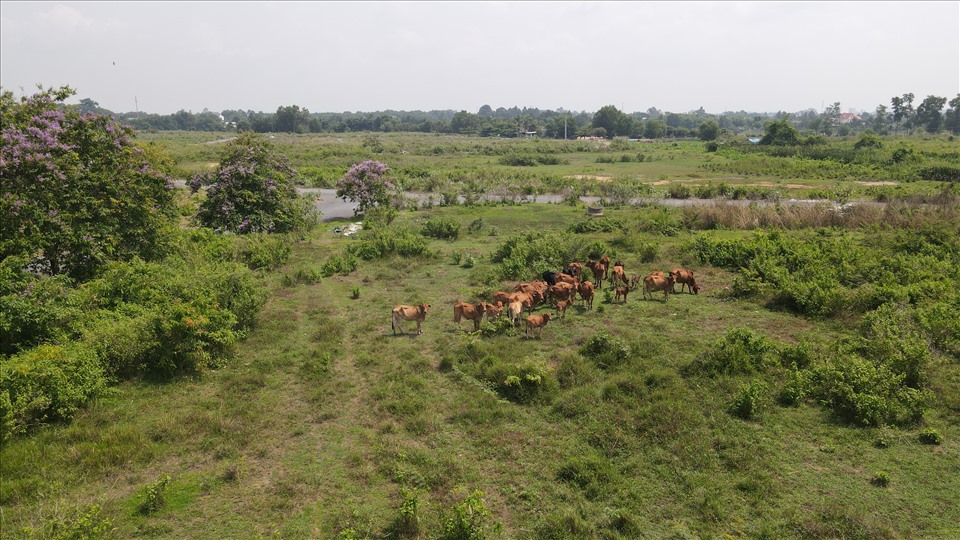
x,y
422,308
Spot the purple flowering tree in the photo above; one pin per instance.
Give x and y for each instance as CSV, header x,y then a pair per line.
x,y
76,191
367,185
252,190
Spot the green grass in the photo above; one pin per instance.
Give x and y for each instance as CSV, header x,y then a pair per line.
x,y
322,416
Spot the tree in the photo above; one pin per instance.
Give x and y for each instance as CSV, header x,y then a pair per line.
x,y
780,133
880,120
291,119
831,119
367,184
709,131
655,128
928,113
902,110
252,190
77,192
951,119
610,119
465,123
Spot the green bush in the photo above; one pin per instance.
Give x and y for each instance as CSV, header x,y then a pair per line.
x,y
34,309
525,382
380,242
81,524
444,229
605,350
339,263
750,400
45,384
865,393
469,520
930,436
739,351
263,251
153,496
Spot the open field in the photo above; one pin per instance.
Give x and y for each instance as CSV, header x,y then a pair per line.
x,y
640,419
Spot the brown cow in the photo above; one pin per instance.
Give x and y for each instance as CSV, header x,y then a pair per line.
x,y
506,298
566,278
409,313
534,287
622,293
599,271
515,309
576,268
538,322
586,293
562,308
618,276
635,281
655,282
605,261
560,291
471,312
685,278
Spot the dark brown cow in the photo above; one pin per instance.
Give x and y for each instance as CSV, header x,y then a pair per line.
x,y
685,278
655,282
586,293
538,322
471,312
409,313
576,268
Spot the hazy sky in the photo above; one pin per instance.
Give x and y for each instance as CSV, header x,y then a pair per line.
x,y
161,57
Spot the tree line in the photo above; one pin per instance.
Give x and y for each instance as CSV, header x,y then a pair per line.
x,y
934,114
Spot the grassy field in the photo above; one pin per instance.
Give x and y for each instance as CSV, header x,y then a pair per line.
x,y
324,424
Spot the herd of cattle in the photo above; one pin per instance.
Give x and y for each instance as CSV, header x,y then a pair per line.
x,y
557,289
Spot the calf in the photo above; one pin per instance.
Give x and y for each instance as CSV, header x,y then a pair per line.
x,y
494,311
409,313
685,278
655,282
622,293
471,312
562,308
538,322
605,261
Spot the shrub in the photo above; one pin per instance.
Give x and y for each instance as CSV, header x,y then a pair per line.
x,y
881,479
81,524
153,496
407,522
339,263
381,242
865,393
468,520
750,400
44,384
739,351
606,350
930,436
444,229
524,382
261,251
34,309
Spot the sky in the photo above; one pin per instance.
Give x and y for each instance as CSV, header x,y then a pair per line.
x,y
162,57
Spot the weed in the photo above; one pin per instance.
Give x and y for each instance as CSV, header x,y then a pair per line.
x,y
930,436
355,293
153,496
750,400
881,479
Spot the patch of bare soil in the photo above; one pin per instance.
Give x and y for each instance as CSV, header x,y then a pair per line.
x,y
877,183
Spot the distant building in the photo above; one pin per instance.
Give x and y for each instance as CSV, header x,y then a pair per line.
x,y
846,118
